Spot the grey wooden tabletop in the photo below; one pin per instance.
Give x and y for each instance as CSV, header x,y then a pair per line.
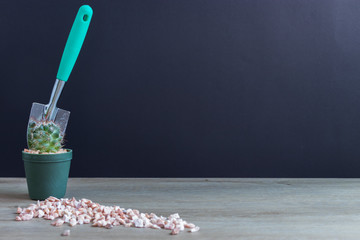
x,y
223,208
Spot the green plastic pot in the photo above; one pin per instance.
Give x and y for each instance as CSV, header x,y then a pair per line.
x,y
47,174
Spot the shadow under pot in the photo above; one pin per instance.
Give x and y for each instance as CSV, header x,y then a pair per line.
x,y
47,174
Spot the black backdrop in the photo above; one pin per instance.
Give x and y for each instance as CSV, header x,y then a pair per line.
x,y
190,88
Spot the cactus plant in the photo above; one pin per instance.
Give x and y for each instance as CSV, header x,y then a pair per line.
x,y
44,137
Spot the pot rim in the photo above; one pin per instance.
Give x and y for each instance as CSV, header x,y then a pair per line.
x,y
47,154
47,158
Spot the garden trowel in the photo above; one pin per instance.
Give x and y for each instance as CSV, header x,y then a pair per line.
x,y
41,113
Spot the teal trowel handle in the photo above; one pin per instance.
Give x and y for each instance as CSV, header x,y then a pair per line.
x,y
74,42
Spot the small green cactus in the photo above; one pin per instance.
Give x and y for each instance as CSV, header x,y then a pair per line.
x,y
44,137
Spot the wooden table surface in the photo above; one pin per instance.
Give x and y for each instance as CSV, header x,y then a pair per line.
x,y
223,208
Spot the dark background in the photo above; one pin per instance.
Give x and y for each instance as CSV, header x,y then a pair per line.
x,y
190,88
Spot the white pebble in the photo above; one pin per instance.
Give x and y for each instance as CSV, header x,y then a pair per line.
x,y
41,213
175,215
195,229
72,222
66,233
139,223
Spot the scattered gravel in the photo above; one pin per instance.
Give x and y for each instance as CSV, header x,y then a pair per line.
x,y
84,211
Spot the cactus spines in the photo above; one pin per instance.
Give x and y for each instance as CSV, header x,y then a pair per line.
x,y
44,137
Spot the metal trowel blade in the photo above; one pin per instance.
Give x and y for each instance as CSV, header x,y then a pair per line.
x,y
61,116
